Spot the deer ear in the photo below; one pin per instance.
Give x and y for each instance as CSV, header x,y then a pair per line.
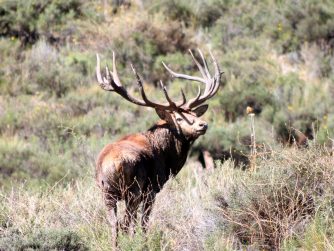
x,y
164,115
199,111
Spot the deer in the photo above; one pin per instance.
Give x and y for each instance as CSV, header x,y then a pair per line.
x,y
136,167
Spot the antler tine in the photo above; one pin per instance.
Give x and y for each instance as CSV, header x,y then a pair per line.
x,y
141,88
180,75
215,80
217,75
98,69
184,100
111,82
171,106
204,72
103,82
211,83
115,75
106,82
164,89
199,93
199,66
204,63
139,82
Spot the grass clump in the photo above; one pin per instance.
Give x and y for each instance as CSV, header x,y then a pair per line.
x,y
281,200
44,239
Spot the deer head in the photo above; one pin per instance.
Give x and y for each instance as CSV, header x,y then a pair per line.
x,y
182,115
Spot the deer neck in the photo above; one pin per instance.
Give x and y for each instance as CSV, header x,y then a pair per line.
x,y
172,146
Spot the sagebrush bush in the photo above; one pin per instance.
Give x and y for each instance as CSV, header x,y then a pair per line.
x,y
198,13
148,37
9,50
48,71
30,20
44,70
29,163
304,21
279,200
44,239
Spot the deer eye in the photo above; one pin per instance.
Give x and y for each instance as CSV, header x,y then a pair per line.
x,y
179,119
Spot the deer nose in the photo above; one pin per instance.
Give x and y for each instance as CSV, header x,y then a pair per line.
x,y
203,125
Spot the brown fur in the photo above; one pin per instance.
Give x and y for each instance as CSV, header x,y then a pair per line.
x,y
137,166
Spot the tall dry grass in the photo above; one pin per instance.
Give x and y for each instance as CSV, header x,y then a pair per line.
x,y
285,202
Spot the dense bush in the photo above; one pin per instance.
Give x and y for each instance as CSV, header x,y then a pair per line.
x,y
198,13
148,38
44,239
44,70
305,21
30,20
278,202
23,161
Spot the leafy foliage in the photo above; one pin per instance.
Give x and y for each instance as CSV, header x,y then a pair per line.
x,y
43,240
30,20
305,21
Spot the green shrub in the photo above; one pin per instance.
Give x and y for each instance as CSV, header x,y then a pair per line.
x,y
30,20
235,102
82,100
44,239
27,162
12,156
44,70
178,61
280,199
48,71
26,117
9,51
250,76
304,21
198,13
316,235
148,38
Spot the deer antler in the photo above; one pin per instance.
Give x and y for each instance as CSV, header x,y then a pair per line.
x,y
111,82
211,83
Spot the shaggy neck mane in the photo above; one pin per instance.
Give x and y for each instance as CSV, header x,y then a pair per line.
x,y
170,148
166,141
163,130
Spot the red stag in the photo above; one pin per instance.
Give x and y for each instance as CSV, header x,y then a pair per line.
x,y
137,166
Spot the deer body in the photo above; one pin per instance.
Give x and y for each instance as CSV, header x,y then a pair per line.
x,y
137,166
150,157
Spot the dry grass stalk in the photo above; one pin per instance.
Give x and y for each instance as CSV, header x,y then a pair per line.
x,y
253,153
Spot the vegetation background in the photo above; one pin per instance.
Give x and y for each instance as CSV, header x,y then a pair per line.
x,y
277,56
